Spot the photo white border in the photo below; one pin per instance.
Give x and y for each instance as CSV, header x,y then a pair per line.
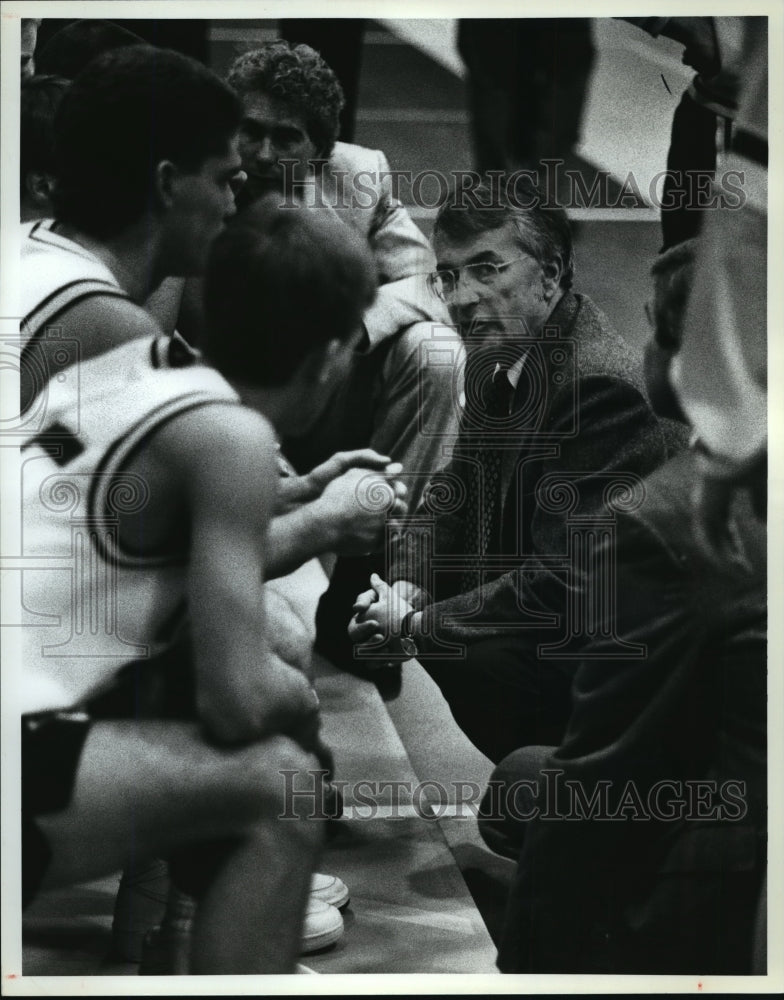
x,y
13,983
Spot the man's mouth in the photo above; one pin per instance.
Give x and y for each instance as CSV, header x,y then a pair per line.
x,y
477,325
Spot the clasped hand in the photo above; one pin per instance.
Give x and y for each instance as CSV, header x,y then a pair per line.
x,y
378,616
357,504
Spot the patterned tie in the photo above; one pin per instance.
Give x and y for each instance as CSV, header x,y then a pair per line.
x,y
484,499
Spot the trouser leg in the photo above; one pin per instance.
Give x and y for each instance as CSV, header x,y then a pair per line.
x,y
504,698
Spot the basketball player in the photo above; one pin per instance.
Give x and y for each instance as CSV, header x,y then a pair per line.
x,y
106,259
175,487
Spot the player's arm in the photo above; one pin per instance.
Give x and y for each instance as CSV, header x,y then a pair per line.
x,y
348,518
228,466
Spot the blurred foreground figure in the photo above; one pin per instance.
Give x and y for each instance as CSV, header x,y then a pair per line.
x,y
720,376
643,835
132,749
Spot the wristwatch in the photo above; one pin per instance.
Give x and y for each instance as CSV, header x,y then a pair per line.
x,y
407,641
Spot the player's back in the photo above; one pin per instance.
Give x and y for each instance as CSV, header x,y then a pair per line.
x,y
93,603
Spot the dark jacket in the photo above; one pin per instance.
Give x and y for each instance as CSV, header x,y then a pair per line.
x,y
670,888
581,422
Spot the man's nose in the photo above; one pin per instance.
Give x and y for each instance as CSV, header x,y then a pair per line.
x,y
265,152
465,292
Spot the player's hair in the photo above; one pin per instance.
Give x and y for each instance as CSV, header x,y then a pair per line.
x,y
40,98
673,277
280,283
70,49
128,111
543,232
298,77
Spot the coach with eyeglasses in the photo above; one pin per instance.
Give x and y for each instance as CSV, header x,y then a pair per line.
x,y
555,415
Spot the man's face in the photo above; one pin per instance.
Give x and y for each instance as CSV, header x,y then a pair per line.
x,y
202,203
486,306
29,38
271,132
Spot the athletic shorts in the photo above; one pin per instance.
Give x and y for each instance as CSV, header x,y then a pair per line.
x,y
160,687
52,745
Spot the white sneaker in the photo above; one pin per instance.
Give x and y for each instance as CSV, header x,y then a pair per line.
x,y
330,889
323,926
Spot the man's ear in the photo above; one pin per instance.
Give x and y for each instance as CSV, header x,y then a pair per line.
x,y
320,365
331,356
551,277
166,174
39,185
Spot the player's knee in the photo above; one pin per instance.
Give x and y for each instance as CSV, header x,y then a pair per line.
x,y
261,776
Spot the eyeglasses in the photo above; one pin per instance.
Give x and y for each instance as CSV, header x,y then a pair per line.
x,y
443,284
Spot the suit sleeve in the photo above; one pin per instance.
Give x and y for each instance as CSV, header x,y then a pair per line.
x,y
616,432
403,257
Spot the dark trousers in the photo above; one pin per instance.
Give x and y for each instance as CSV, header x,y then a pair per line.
x,y
527,80
692,152
503,697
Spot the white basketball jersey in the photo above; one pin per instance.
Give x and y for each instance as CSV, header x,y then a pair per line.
x,y
56,274
91,606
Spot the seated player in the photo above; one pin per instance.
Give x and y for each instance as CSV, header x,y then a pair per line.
x,y
86,272
177,485
134,203
92,277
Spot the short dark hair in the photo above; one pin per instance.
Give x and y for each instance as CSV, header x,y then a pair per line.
x,y
41,96
73,47
543,232
298,77
673,277
129,110
281,282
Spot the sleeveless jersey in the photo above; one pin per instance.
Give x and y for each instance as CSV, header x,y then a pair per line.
x,y
56,274
90,606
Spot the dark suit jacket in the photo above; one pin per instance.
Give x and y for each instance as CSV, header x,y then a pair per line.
x,y
670,894
584,420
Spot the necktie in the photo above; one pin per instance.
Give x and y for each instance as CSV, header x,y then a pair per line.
x,y
484,497
499,395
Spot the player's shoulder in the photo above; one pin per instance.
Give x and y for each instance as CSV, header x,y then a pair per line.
x,y
101,323
109,317
220,439
228,426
